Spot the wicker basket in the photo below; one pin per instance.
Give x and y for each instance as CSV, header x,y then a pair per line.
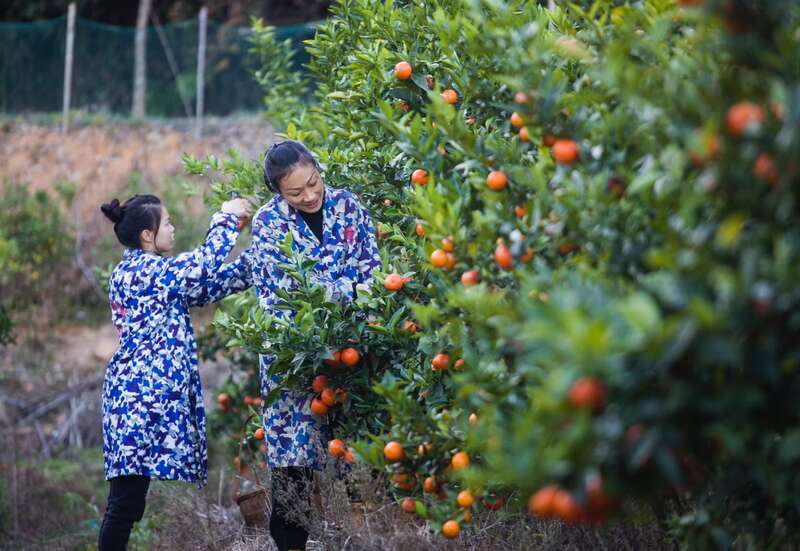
x,y
256,505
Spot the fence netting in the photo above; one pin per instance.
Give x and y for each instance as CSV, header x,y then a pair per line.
x,y
32,67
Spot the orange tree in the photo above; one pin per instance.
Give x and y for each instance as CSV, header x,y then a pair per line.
x,y
597,208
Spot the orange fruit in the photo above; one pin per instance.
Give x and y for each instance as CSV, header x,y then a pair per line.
x,y
248,400
259,434
450,96
350,357
460,461
467,516
403,70
328,397
393,282
470,278
419,177
430,485
335,361
440,361
566,508
473,419
223,399
420,230
450,529
503,257
520,211
527,256
565,151
521,97
524,135
403,481
542,503
447,244
439,258
764,169
548,140
742,117
319,407
336,447
422,448
393,451
516,120
459,363
409,505
319,384
588,393
409,327
349,457
465,499
497,180
451,261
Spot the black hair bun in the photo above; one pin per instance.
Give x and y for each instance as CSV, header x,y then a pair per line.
x,y
113,210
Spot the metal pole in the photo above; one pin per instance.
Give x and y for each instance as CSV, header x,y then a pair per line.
x,y
140,60
201,73
68,68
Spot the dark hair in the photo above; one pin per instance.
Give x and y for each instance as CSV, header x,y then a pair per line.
x,y
281,158
139,213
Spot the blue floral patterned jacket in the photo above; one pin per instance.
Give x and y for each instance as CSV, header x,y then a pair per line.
x,y
153,415
347,256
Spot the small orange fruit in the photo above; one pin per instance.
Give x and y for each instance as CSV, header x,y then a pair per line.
x,y
473,419
409,327
319,407
743,117
447,244
393,282
336,447
259,434
450,529
521,97
393,451
527,256
459,363
328,397
588,393
439,258
419,177
465,499
403,70
223,400
520,211
450,96
350,357
542,503
319,384
524,135
516,120
419,229
335,361
440,361
497,180
764,169
470,278
565,151
430,485
503,257
460,461
409,505
566,508
467,516
349,457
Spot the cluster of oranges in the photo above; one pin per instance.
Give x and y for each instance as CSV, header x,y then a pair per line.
x,y
337,448
326,396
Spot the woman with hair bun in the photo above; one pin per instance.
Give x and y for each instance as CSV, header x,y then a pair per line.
x,y
153,415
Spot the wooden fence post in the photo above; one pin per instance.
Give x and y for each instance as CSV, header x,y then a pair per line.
x,y
68,67
201,72
140,60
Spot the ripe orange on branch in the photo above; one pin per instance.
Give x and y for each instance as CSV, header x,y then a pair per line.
x,y
565,151
319,407
393,451
393,282
439,258
503,258
451,529
588,393
336,448
319,383
460,461
743,117
350,357
403,70
420,177
465,499
497,180
450,96
440,362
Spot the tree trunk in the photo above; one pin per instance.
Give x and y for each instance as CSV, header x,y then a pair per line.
x,y
140,60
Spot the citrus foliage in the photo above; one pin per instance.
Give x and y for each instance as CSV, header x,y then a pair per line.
x,y
603,247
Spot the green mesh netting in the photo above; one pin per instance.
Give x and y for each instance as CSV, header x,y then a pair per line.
x,y
32,67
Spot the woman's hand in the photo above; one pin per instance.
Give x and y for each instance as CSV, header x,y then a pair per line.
x,y
240,207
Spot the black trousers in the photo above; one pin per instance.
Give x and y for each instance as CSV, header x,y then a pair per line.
x,y
126,500
289,484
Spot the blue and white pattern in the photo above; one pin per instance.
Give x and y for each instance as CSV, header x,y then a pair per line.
x,y
347,255
153,415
